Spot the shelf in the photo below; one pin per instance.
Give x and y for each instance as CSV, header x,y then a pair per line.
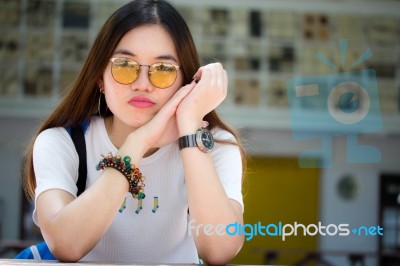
x,y
261,44
313,122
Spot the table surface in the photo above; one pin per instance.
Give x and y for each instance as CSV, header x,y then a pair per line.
x,y
46,263
12,262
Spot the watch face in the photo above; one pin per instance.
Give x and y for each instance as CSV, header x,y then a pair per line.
x,y
206,139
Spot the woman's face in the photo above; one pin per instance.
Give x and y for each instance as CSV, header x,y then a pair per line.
x,y
137,103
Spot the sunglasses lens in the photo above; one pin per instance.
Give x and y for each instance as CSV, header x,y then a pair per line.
x,y
162,75
125,71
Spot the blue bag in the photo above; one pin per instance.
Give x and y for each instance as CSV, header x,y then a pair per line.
x,y
39,251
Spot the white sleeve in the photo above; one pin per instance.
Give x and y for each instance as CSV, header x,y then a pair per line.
x,y
55,162
228,163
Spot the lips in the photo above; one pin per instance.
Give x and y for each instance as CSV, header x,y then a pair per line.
x,y
141,102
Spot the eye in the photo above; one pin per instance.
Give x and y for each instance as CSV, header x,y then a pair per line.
x,y
123,62
164,67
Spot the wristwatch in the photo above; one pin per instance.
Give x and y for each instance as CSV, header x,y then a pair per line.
x,y
203,139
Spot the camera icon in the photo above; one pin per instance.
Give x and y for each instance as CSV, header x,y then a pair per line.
x,y
325,106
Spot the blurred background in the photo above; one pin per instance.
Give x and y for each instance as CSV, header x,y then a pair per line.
x,y
265,45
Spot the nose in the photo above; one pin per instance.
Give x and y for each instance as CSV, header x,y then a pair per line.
x,y
142,82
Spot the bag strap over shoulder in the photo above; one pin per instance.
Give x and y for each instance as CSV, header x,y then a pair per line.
x,y
78,137
41,251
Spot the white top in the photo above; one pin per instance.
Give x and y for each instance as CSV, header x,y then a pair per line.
x,y
146,237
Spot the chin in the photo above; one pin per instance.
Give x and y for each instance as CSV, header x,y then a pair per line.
x,y
139,122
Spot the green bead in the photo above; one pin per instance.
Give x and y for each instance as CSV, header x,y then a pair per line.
x,y
127,160
141,195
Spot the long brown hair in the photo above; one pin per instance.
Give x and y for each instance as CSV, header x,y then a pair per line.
x,y
81,101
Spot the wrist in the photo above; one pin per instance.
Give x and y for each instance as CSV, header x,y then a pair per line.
x,y
187,126
203,139
134,146
128,169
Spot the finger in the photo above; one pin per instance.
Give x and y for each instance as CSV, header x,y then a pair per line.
x,y
216,76
206,76
219,77
170,107
198,75
225,81
204,124
181,94
199,72
222,79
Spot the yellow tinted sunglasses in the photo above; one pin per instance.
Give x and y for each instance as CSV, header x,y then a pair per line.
x,y
126,71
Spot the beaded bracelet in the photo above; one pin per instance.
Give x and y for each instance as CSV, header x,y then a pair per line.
x,y
131,173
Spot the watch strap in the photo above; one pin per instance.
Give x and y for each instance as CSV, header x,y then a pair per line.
x,y
187,141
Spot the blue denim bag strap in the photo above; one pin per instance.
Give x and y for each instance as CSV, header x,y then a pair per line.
x,y
78,137
77,133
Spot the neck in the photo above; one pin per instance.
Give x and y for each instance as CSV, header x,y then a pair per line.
x,y
118,132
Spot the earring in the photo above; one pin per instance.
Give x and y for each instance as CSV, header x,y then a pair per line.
x,y
99,106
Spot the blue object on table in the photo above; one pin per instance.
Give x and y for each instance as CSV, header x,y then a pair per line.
x,y
39,251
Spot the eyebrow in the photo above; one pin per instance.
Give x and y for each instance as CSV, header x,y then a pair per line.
x,y
160,57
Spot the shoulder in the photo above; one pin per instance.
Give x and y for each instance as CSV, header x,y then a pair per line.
x,y
222,135
226,145
63,133
53,142
55,134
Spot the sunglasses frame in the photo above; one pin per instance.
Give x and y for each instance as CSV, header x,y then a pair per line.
x,y
113,59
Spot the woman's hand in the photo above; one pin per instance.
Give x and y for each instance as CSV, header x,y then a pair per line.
x,y
183,113
162,129
208,93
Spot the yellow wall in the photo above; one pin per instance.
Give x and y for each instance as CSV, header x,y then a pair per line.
x,y
277,190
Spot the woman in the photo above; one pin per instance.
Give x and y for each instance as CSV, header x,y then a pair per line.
x,y
143,91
